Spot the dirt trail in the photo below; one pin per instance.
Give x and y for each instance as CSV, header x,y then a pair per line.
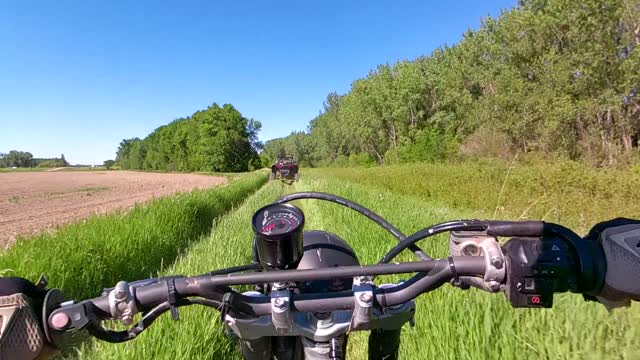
x,y
31,202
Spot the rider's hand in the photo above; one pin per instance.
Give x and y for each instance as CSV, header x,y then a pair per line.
x,y
21,333
620,241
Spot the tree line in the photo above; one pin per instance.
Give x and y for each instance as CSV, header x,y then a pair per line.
x,y
217,139
24,159
559,78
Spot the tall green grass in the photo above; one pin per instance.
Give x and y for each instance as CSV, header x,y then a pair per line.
x,y
450,323
198,335
85,257
566,192
10,170
457,324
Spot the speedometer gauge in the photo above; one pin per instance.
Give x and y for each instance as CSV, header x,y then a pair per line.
x,y
278,230
279,222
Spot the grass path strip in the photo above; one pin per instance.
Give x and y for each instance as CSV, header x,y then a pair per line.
x,y
198,334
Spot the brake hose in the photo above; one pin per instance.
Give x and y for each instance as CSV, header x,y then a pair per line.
x,y
362,210
459,225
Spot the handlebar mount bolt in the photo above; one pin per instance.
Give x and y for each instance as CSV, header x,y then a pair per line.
x,y
119,294
365,297
127,320
122,307
279,302
497,262
60,321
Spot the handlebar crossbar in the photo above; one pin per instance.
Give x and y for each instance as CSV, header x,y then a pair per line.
x,y
431,274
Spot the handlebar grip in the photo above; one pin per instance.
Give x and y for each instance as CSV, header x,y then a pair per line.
x,y
621,246
515,228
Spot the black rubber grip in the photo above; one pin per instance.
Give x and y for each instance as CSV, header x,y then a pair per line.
x,y
515,228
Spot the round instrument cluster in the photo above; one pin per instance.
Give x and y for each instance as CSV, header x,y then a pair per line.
x,y
278,230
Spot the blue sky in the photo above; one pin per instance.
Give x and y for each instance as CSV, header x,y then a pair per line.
x,y
78,77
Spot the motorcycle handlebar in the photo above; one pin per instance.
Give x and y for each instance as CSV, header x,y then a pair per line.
x,y
574,268
430,275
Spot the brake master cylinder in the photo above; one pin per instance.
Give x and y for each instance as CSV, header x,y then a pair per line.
x,y
478,243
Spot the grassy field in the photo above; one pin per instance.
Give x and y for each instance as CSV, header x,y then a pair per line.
x,y
450,323
454,324
198,335
566,192
85,257
5,170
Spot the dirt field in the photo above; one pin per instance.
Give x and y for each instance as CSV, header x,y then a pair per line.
x,y
31,202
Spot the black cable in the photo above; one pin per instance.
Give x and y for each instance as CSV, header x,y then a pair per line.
x,y
236,269
145,322
359,208
459,225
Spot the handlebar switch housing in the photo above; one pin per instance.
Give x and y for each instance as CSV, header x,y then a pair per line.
x,y
538,267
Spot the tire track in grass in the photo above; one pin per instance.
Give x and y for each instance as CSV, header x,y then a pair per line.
x,y
199,333
368,240
456,324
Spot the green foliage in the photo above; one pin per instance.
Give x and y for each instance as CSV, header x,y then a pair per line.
x,y
555,76
565,191
23,159
218,139
487,142
50,163
429,145
297,145
355,160
266,160
85,257
108,164
16,158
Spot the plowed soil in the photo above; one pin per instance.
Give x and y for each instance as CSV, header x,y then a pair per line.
x,y
31,202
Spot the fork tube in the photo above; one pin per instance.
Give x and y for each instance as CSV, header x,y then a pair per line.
x,y
384,344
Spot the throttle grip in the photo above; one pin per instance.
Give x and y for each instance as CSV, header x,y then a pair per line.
x,y
621,246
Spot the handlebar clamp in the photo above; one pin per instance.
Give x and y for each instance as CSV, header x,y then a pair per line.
x,y
281,310
363,301
122,304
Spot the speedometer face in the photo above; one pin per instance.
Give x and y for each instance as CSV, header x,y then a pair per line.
x,y
277,219
278,222
278,241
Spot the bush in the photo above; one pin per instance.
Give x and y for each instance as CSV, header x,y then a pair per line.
x,y
362,159
431,145
51,163
487,142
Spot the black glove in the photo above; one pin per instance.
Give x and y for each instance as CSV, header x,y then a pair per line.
x,y
620,241
21,333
